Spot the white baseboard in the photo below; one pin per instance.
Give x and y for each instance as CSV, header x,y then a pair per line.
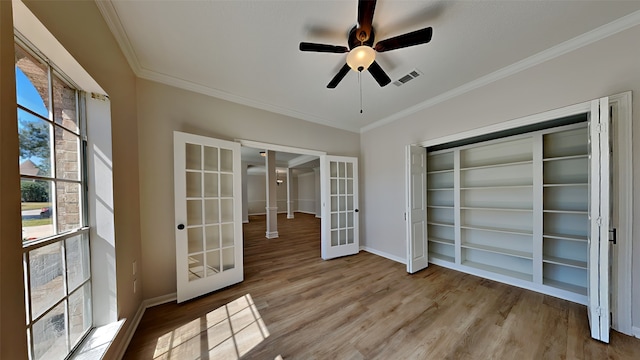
x,y
135,321
383,254
636,331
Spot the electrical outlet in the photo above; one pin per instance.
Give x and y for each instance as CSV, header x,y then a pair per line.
x,y
135,286
135,267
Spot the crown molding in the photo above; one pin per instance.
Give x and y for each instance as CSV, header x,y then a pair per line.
x,y
570,45
112,19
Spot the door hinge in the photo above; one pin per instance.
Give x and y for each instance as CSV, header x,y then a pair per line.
x,y
615,236
598,311
405,216
599,221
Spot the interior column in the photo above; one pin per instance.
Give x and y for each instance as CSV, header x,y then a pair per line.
x,y
290,193
272,195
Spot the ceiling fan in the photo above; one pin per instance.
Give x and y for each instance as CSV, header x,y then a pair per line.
x,y
362,52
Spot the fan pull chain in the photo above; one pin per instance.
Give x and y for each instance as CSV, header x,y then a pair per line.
x,y
360,82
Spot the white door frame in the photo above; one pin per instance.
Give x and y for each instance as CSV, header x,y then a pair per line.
x,y
622,146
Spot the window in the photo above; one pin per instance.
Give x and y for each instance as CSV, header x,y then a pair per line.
x,y
55,237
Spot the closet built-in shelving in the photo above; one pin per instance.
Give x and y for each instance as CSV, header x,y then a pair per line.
x,y
514,210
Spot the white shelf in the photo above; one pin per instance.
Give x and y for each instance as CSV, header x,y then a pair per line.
x,y
565,237
566,184
440,207
439,171
439,224
565,262
565,286
556,158
505,231
442,241
440,189
446,258
566,212
494,209
499,270
488,166
501,187
499,250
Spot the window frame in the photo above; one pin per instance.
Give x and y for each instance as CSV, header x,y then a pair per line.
x,y
83,230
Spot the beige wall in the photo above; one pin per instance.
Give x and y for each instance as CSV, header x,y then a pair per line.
x,y
163,109
80,28
607,67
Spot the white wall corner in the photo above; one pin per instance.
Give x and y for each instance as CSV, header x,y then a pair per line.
x,y
636,331
384,254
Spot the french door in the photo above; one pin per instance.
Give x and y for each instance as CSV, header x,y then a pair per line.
x,y
339,189
208,214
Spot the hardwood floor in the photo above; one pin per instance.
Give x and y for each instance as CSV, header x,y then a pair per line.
x,y
294,305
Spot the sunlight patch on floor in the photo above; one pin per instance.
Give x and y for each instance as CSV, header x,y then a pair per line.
x,y
227,332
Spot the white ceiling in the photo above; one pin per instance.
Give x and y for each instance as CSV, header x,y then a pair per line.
x,y
247,51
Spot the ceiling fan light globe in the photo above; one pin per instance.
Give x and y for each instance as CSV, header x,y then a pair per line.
x,y
361,57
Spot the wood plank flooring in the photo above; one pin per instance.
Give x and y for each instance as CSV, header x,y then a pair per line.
x,y
294,305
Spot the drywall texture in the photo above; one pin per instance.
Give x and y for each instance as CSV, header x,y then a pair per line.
x,y
164,109
606,67
80,28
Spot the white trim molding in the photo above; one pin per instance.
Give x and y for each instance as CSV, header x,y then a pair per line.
x,y
383,254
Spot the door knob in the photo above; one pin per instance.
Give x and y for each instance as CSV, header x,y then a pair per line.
x,y
357,210
181,226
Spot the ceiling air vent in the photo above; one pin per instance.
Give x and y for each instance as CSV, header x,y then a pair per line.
x,y
406,78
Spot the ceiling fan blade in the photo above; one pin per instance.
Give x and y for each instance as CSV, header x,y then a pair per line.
x,y
366,9
339,76
306,46
381,77
417,37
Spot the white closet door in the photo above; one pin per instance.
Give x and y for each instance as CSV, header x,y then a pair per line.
x,y
598,259
208,208
417,246
339,191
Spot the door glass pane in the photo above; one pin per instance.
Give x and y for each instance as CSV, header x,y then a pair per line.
x,y
193,157
68,206
50,335
228,260
343,220
213,262
334,186
211,184
334,203
78,266
343,237
195,240
226,160
333,169
334,221
213,237
341,170
194,212
350,206
79,312
226,210
349,236
35,145
226,185
350,170
210,158
334,237
227,235
350,187
46,277
32,83
64,105
196,267
212,212
350,219
342,186
67,154
37,212
342,203
194,184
